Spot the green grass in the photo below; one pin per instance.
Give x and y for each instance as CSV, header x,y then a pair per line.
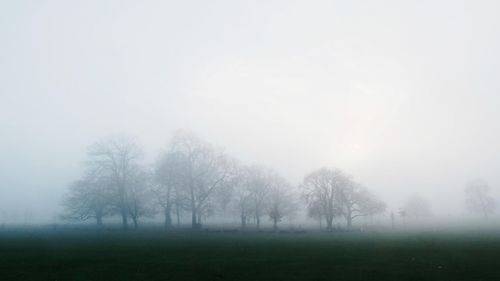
x,y
154,255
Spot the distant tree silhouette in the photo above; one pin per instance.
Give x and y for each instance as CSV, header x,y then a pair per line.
x,y
89,197
478,198
117,157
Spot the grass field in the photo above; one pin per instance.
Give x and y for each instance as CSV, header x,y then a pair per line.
x,y
155,255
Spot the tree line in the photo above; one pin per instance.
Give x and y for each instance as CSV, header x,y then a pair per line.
x,y
195,177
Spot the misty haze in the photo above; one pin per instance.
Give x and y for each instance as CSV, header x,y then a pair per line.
x,y
249,140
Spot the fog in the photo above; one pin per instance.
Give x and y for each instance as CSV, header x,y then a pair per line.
x,y
402,95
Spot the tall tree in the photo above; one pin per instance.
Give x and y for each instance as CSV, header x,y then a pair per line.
x,y
315,212
281,200
259,180
205,170
322,190
140,196
241,195
478,198
118,158
168,181
357,201
89,197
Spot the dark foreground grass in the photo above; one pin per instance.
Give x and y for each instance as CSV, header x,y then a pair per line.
x,y
90,255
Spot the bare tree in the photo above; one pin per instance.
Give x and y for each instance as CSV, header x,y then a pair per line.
x,y
315,212
259,180
241,195
140,196
330,193
357,201
322,190
89,198
204,170
281,200
478,198
168,181
417,207
117,157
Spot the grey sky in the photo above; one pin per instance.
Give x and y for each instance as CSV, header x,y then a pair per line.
x,y
403,95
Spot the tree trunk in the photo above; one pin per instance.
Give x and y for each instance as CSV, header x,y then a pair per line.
x,y
329,223
199,219
168,218
177,213
243,221
136,225
98,219
349,221
124,219
123,205
193,219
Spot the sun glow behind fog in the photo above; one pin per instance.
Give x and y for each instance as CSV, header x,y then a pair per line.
x,y
341,118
